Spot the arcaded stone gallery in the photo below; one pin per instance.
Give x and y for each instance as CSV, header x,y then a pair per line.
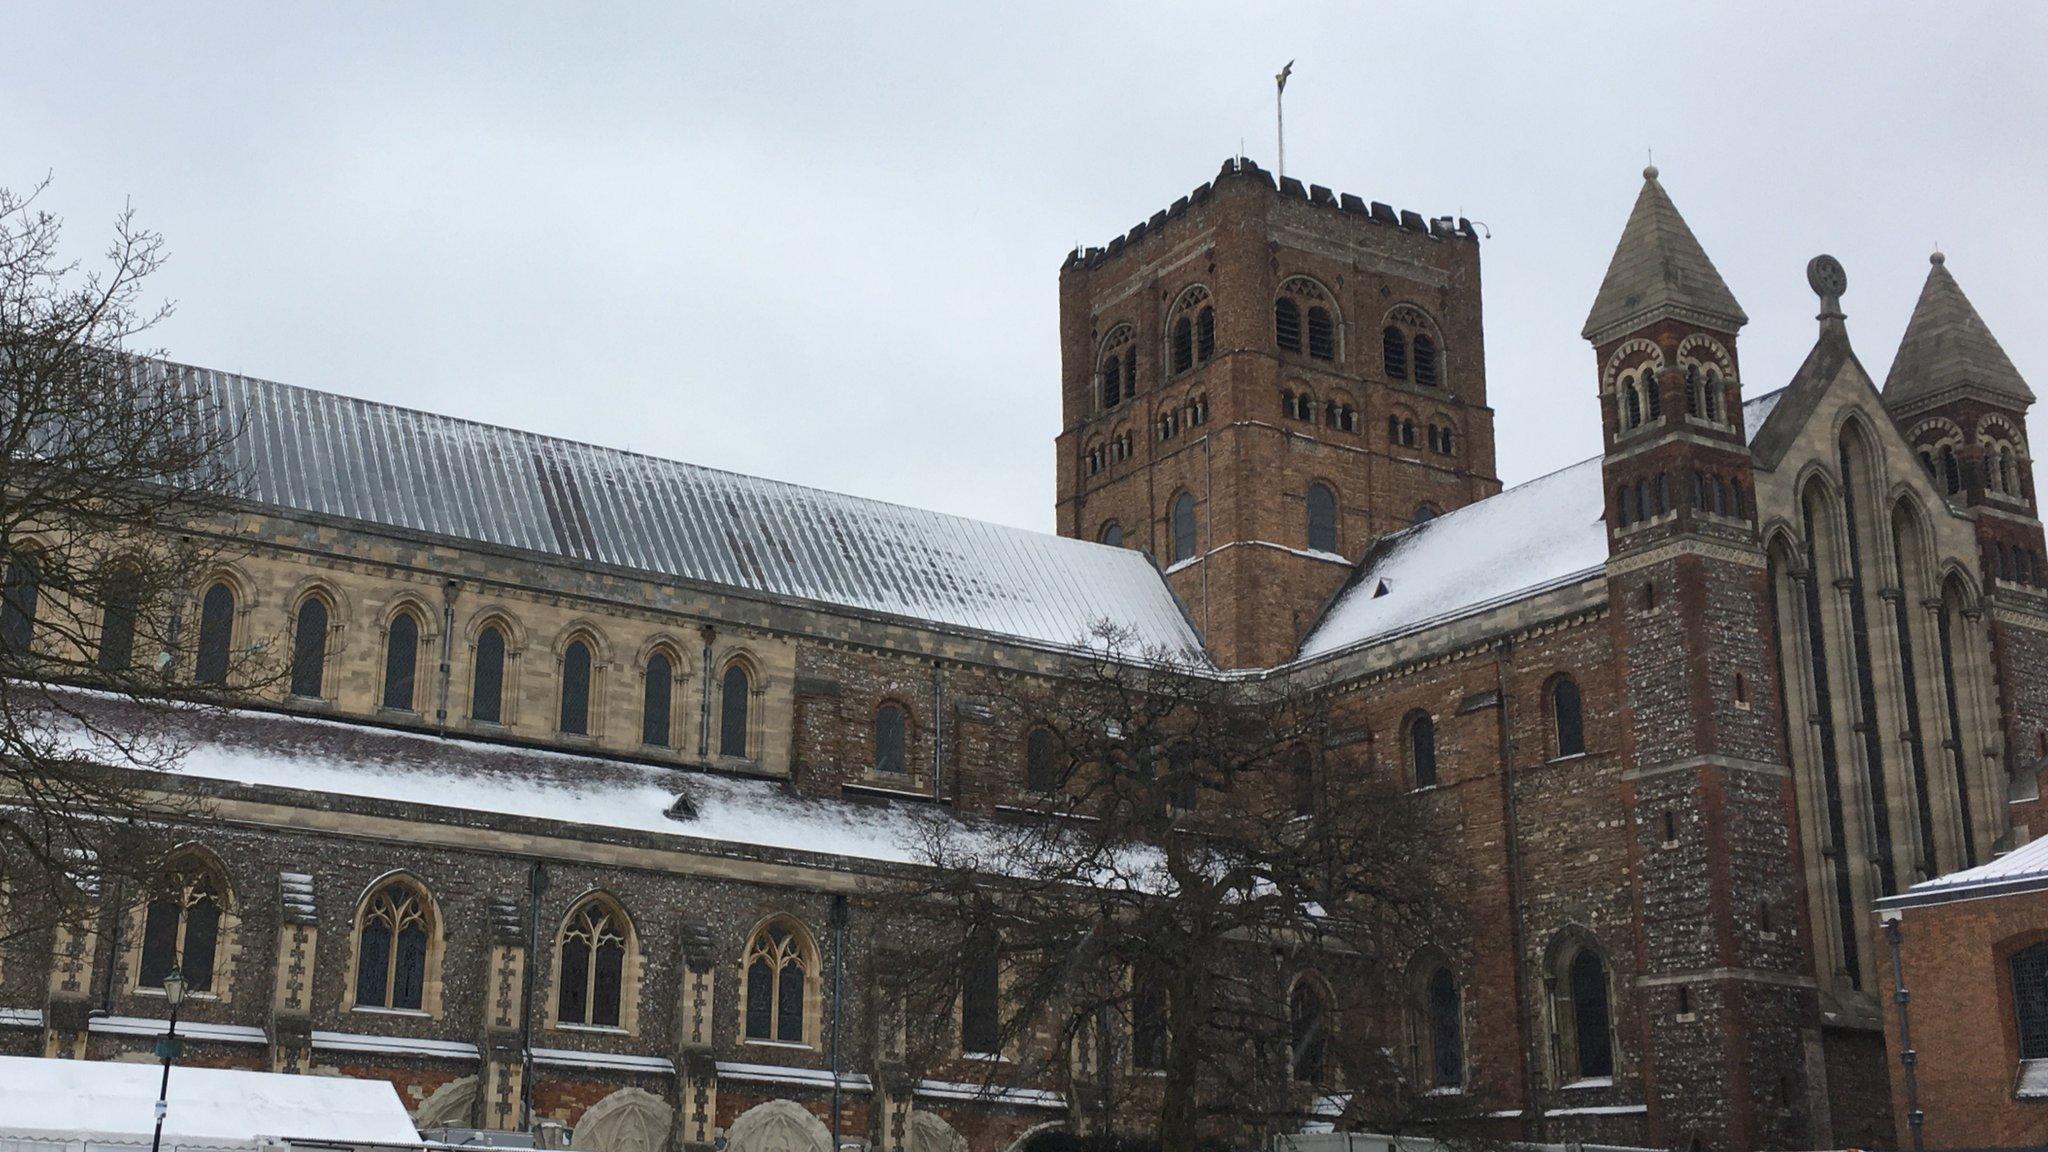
x,y
587,767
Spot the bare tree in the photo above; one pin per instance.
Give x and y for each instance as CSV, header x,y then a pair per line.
x,y
1198,921
115,483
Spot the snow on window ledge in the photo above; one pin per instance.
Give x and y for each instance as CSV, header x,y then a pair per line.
x,y
796,1045
1566,759
602,1029
2033,1081
1447,1090
986,1057
1590,1082
380,1010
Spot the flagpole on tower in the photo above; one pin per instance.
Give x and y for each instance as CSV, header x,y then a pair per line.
x,y
1280,113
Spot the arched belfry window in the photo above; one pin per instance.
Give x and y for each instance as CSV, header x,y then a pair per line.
x,y
1567,723
889,739
1951,471
391,947
1423,353
309,647
216,633
1287,324
487,677
1322,518
1191,334
733,702
1421,749
657,700
779,964
575,702
1183,526
181,928
1308,1018
1322,334
1205,334
401,660
1394,352
594,942
1118,369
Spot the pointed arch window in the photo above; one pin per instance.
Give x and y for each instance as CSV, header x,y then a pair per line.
x,y
1308,1026
657,695
1632,405
216,634
1112,381
1183,345
122,594
181,930
1287,324
1443,1030
1205,334
1041,762
309,648
401,660
1589,1047
778,970
1422,749
391,949
733,701
1394,353
1322,334
594,943
1567,722
487,678
18,605
575,704
1183,527
1424,355
1322,518
889,739
981,1022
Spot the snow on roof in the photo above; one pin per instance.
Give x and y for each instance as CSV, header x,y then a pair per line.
x,y
1534,536
337,758
2022,869
96,1098
339,456
1530,538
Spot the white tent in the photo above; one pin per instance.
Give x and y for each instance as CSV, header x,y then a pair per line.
x,y
65,1101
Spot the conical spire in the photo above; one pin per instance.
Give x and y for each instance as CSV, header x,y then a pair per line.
x,y
1659,270
1947,349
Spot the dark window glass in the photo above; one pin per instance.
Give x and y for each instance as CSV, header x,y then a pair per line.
x,y
1425,361
760,1001
1654,394
1564,710
1393,429
1422,749
1632,407
1113,534
654,703
1424,514
981,1026
216,634
1394,353
1205,334
1183,526
1148,1026
1446,1043
117,625
401,660
576,689
889,739
1302,768
309,648
1041,765
732,712
487,686
1308,1024
1589,1015
1624,506
1951,472
1322,518
2030,999
409,969
610,979
1407,433
1322,335
1692,390
789,1005
373,964
1287,324
202,932
1112,382
18,605
1183,345
159,941
571,1006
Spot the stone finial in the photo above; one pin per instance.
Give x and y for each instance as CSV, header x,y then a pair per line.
x,y
1825,276
1650,172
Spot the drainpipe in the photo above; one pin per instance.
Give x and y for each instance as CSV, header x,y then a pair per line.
x,y
1907,1057
704,698
938,726
838,971
1209,522
536,883
448,593
1532,1109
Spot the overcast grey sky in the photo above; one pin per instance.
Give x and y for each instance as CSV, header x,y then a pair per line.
x,y
821,243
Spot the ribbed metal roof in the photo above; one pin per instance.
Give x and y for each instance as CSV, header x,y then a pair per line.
x,y
318,452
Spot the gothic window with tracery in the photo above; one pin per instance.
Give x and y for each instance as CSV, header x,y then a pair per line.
x,y
391,949
181,929
778,971
1287,324
593,946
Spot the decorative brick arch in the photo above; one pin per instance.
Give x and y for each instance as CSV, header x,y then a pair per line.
x,y
929,1133
776,1126
452,1105
629,1120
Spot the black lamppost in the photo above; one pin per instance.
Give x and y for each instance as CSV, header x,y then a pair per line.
x,y
168,1050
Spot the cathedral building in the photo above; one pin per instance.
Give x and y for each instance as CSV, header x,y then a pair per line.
x,y
587,761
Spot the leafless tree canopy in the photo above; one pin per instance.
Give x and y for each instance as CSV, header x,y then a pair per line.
x,y
1215,879
114,483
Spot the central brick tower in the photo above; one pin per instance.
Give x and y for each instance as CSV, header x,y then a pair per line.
x,y
1260,380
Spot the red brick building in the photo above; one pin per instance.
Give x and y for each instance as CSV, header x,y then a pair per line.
x,y
1680,715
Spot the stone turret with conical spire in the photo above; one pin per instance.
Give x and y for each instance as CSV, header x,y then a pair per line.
x,y
1949,351
1659,271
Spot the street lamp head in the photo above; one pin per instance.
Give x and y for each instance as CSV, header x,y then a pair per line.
x,y
174,988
